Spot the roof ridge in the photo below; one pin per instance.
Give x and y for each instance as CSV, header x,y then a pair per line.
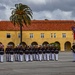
x,y
38,25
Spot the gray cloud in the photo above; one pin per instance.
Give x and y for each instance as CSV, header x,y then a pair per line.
x,y
2,15
51,5
51,9
41,5
2,7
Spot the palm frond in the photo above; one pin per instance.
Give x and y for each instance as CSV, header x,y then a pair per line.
x,y
21,14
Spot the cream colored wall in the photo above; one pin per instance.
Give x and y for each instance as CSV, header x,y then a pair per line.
x,y
6,40
37,38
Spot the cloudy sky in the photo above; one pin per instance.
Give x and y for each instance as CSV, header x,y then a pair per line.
x,y
42,9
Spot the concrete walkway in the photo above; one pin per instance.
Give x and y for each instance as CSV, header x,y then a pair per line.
x,y
65,66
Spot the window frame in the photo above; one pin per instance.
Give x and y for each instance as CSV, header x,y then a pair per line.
x,y
42,35
63,35
31,35
8,35
54,35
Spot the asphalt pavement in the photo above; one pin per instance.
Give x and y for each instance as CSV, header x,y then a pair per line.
x,y
64,66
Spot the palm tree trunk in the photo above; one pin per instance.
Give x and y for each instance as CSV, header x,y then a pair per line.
x,y
20,34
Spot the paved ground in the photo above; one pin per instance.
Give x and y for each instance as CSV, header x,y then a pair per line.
x,y
65,66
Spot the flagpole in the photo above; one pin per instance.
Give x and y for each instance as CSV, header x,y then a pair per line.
x,y
73,29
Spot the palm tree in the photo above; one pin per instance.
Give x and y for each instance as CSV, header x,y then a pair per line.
x,y
21,15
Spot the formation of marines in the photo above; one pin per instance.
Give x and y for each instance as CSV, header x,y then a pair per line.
x,y
30,53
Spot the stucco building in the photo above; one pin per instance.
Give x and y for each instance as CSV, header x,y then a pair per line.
x,y
39,32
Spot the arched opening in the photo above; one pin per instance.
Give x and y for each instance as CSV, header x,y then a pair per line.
x,y
24,44
45,43
11,43
0,42
58,43
34,43
67,46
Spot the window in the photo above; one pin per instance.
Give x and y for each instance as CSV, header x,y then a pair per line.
x,y
31,35
8,35
51,35
19,35
63,35
42,35
54,35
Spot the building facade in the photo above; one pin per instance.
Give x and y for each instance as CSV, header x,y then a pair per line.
x,y
40,32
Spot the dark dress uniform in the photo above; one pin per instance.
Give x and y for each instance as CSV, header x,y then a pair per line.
x,y
31,54
40,53
7,51
16,53
36,53
11,54
73,51
56,53
24,53
48,53
1,54
53,54
21,54
27,54
50,48
44,53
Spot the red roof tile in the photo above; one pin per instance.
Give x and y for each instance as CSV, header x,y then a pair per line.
x,y
40,25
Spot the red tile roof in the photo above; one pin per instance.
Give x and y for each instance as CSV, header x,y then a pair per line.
x,y
40,25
